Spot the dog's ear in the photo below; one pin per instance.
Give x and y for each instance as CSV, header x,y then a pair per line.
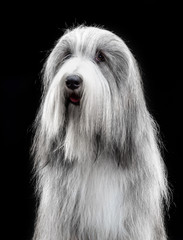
x,y
53,61
123,64
50,67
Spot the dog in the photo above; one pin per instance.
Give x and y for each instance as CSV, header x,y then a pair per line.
x,y
97,160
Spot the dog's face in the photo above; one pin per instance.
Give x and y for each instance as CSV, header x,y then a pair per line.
x,y
91,86
86,58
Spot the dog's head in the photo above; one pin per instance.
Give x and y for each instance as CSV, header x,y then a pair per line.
x,y
85,55
91,87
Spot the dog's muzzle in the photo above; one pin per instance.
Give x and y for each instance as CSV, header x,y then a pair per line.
x,y
73,86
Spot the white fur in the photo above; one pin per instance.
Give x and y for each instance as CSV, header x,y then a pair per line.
x,y
99,170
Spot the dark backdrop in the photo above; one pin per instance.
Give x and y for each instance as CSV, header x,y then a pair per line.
x,y
153,33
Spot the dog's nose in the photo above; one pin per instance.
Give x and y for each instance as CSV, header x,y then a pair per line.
x,y
73,82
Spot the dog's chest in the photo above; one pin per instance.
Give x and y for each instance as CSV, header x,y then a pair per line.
x,y
101,198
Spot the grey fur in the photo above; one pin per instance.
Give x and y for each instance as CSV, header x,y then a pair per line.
x,y
100,175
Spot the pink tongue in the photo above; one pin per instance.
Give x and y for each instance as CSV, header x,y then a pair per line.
x,y
74,99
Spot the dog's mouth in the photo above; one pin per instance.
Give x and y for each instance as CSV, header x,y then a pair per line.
x,y
74,98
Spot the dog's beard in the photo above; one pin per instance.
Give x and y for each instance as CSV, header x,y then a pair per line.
x,y
97,117
85,114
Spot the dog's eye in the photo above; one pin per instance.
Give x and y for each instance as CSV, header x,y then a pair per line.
x,y
67,55
99,57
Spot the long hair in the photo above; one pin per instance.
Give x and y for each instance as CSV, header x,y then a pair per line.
x,y
99,171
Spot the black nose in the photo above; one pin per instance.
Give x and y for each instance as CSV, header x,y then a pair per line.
x,y
73,82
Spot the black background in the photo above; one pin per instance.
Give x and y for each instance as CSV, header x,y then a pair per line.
x,y
153,33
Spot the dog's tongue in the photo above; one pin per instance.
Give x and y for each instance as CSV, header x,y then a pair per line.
x,y
74,98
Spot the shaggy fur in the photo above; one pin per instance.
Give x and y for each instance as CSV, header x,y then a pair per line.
x,y
100,175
